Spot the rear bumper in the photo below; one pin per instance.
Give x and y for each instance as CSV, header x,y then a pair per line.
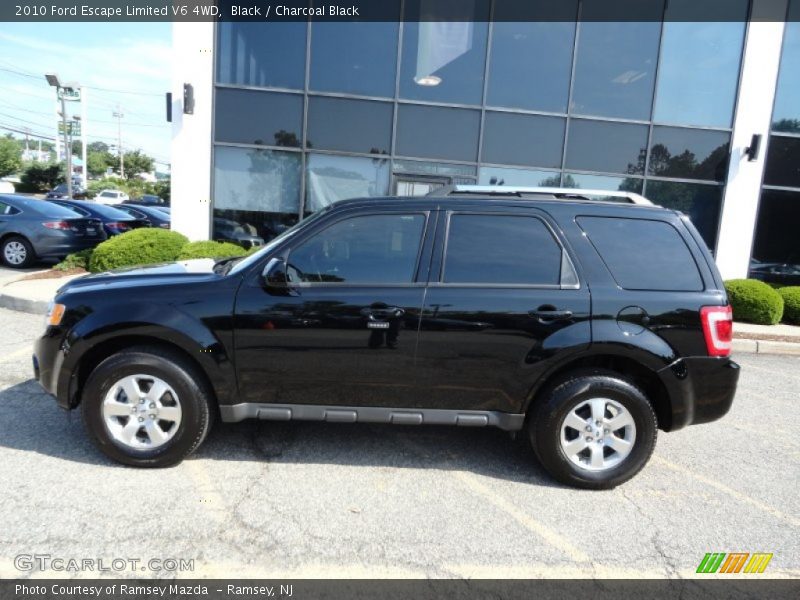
x,y
701,389
47,247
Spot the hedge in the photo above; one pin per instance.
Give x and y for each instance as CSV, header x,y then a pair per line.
x,y
791,304
208,249
754,301
142,246
76,260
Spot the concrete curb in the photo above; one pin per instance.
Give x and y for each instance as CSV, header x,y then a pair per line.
x,y
766,347
37,307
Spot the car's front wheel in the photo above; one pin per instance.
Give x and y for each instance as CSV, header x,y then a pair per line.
x,y
17,252
147,407
593,429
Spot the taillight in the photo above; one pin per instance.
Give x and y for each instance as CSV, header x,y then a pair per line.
x,y
120,226
62,225
164,225
717,329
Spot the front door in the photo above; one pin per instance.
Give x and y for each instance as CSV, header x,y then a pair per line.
x,y
345,331
504,298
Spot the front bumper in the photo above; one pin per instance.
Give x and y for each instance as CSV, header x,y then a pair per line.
x,y
701,389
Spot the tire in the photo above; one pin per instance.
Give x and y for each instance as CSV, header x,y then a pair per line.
x,y
181,431
576,460
17,252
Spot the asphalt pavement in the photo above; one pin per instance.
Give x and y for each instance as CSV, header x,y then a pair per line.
x,y
263,499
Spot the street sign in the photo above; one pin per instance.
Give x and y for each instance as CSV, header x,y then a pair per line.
x,y
71,94
73,128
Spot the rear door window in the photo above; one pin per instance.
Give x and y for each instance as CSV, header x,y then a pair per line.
x,y
643,254
501,249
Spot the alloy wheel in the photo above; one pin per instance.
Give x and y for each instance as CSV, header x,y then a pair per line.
x,y
598,434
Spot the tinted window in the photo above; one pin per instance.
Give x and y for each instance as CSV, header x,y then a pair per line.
x,y
444,55
786,115
776,239
702,203
354,57
350,125
700,60
616,63
240,226
643,255
268,53
541,80
5,209
77,209
372,249
265,118
519,177
607,147
435,132
330,178
783,162
501,249
603,182
689,153
523,139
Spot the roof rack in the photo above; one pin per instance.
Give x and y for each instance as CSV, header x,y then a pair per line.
x,y
558,192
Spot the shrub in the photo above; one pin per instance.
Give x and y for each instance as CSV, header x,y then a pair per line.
x,y
138,247
754,301
76,260
208,249
791,304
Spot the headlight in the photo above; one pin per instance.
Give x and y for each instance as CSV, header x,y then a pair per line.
x,y
55,312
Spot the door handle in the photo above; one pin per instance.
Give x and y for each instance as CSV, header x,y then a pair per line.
x,y
548,316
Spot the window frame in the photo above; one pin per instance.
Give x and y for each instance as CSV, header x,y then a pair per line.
x,y
565,253
286,252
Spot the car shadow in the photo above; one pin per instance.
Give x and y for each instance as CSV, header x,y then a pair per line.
x,y
33,423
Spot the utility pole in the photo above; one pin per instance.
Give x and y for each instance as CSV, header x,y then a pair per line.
x,y
118,114
84,125
53,80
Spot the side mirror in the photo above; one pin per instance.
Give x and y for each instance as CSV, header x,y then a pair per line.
x,y
274,274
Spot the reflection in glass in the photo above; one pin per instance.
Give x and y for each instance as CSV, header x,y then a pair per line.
x,y
607,147
776,249
616,62
700,61
271,53
786,115
264,118
444,51
354,57
262,185
433,168
244,226
603,182
689,153
516,139
330,178
437,132
531,56
783,162
701,202
518,177
349,125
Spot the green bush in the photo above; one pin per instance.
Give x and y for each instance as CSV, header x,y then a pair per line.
x,y
208,249
138,247
754,301
76,260
791,304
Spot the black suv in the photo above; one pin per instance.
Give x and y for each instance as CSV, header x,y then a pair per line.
x,y
588,324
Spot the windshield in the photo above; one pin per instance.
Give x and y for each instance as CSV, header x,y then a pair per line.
x,y
246,261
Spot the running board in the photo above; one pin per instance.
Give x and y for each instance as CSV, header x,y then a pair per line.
x,y
371,414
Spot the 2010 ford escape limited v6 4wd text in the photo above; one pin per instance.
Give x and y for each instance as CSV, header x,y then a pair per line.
x,y
589,324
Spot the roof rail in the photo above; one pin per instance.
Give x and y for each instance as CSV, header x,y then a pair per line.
x,y
558,192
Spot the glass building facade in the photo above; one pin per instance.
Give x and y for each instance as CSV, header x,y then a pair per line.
x,y
309,113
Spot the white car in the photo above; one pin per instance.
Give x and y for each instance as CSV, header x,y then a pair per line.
x,y
111,197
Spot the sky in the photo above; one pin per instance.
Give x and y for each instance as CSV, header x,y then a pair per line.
x,y
112,59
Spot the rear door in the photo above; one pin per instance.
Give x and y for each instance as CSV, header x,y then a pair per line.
x,y
345,331
504,298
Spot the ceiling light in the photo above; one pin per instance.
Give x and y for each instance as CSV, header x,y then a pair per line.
x,y
428,80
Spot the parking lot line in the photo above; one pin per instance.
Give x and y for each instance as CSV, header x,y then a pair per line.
x,y
211,502
727,490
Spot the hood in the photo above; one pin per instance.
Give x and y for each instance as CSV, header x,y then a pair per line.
x,y
163,274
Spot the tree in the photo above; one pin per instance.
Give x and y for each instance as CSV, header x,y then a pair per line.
x,y
40,177
97,147
10,159
136,162
98,162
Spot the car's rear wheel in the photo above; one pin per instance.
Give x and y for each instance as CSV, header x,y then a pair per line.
x,y
593,429
147,407
17,252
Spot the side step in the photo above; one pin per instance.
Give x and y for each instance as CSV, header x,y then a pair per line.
x,y
371,414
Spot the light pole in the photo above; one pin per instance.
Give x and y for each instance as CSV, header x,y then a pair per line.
x,y
52,79
118,115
